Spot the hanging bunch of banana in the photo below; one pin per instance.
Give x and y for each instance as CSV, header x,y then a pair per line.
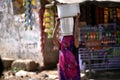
x,y
48,21
28,15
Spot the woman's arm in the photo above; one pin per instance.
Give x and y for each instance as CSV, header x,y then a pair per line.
x,y
76,35
55,34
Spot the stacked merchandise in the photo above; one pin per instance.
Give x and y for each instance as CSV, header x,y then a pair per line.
x,y
91,51
111,42
100,39
100,47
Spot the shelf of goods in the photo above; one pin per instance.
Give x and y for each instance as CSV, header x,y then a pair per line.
x,y
100,47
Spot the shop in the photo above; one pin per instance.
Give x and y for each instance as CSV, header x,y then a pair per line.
x,y
100,38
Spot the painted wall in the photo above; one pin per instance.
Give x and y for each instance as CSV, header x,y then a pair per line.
x,y
15,42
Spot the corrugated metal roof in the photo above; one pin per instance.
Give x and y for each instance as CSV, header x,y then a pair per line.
x,y
79,1
101,3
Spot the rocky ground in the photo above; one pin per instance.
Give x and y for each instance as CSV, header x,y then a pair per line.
x,y
53,75
21,71
25,75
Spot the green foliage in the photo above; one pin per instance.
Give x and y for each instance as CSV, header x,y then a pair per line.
x,y
16,69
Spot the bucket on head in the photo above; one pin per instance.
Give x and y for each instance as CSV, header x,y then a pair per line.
x,y
68,10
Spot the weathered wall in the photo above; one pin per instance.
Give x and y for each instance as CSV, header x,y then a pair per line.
x,y
50,55
15,42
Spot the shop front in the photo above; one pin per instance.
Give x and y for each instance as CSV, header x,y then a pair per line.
x,y
99,39
99,47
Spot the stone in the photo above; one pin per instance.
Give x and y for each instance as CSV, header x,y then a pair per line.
x,y
21,73
28,65
7,62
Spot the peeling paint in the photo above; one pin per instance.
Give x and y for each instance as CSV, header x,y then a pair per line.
x,y
15,42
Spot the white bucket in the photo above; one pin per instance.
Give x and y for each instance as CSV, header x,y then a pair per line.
x,y
68,10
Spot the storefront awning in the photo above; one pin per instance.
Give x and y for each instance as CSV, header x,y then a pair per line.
x,y
79,1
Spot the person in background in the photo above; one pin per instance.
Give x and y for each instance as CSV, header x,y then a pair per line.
x,y
67,43
1,67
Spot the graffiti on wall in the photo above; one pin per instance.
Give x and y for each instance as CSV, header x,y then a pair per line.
x,y
15,42
31,39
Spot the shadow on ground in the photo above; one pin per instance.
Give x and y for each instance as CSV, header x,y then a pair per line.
x,y
105,75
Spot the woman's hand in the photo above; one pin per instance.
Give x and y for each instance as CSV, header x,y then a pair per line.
x,y
57,20
56,44
77,16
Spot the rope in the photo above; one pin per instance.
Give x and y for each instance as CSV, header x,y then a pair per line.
x,y
28,14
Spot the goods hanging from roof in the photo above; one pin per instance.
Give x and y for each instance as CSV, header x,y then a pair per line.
x,y
18,6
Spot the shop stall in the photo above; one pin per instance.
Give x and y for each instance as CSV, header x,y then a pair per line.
x,y
99,41
100,38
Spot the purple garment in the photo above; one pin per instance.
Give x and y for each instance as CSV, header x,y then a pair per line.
x,y
68,65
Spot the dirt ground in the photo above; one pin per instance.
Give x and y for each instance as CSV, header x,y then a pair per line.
x,y
37,75
53,75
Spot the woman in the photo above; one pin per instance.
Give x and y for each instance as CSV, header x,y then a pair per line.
x,y
68,45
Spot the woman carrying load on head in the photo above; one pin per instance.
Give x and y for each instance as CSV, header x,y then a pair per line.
x,y
68,66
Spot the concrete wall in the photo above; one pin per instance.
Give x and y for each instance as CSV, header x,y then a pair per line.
x,y
15,42
18,43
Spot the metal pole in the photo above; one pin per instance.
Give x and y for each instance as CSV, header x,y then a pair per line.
x,y
89,62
